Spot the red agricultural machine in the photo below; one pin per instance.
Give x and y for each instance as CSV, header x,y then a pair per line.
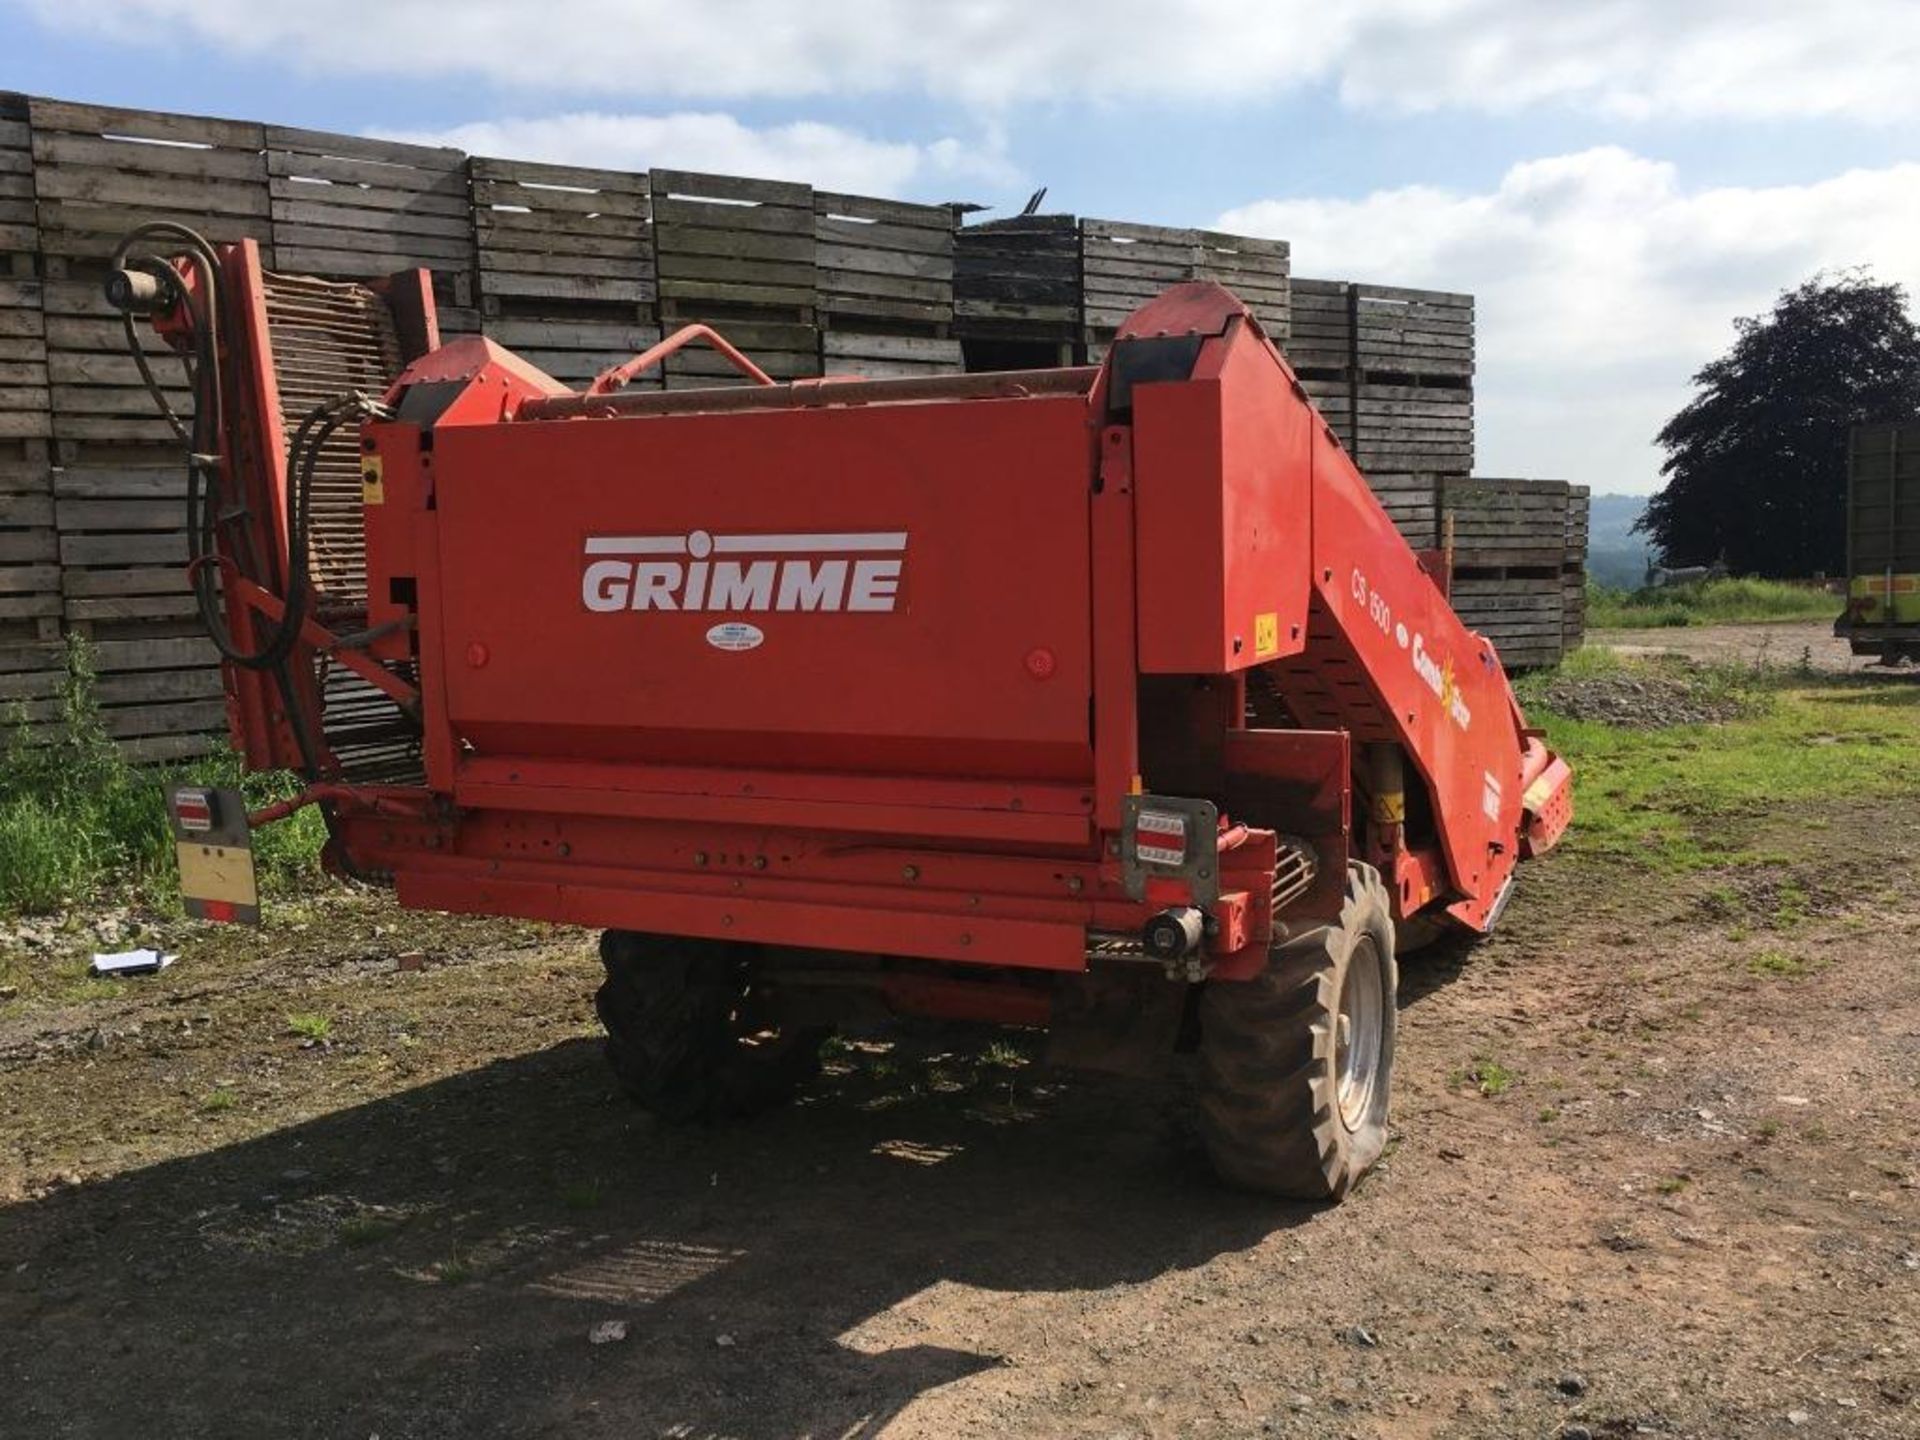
x,y
1104,700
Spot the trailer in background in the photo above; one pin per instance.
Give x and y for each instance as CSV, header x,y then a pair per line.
x,y
1882,614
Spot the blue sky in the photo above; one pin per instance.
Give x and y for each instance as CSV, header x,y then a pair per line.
x,y
1615,181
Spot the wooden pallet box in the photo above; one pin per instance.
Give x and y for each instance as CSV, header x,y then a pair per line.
x,y
1413,427
33,682
19,228
1520,614
1123,266
96,393
722,243
1412,502
1019,280
566,265
739,255
882,356
1333,398
1574,568
883,262
1505,522
29,553
1427,333
346,207
98,171
1259,271
25,402
1320,336
120,514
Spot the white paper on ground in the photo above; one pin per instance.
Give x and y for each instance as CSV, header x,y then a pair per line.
x,y
130,962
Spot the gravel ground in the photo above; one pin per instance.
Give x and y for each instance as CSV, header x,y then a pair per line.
x,y
1786,642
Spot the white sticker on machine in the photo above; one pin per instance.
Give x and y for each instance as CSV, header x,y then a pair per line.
x,y
1490,795
1160,838
735,635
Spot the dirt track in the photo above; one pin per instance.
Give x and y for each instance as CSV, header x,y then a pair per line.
x,y
1782,642
1693,1204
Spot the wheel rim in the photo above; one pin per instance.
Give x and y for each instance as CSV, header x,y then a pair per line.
x,y
1357,1052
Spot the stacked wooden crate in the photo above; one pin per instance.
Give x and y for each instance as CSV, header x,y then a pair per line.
x,y
118,477
30,648
1392,371
1413,370
1016,292
739,255
566,265
1573,579
348,208
1258,271
886,286
1123,266
1509,540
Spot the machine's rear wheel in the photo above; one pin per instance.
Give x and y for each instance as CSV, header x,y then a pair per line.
x,y
1296,1064
688,1034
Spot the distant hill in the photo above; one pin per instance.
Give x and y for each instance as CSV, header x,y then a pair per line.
x,y
1615,555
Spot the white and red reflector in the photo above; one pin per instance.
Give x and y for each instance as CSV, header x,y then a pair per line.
x,y
193,811
1160,838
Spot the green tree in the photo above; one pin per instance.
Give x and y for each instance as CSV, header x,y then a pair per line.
x,y
1756,463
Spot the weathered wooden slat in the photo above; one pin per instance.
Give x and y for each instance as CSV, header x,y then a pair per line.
x,y
396,153
681,184
540,173
65,115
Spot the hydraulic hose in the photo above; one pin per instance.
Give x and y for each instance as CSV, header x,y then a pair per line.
x,y
149,282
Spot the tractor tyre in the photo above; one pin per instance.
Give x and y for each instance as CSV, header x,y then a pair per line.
x,y
686,1033
1296,1063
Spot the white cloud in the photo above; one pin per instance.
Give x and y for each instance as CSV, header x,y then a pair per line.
x,y
829,157
1741,58
1603,283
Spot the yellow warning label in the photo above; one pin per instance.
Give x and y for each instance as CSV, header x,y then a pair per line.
x,y
1266,633
373,487
1390,807
217,872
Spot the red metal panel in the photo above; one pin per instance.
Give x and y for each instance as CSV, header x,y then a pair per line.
x,y
859,926
1438,684
887,588
1222,475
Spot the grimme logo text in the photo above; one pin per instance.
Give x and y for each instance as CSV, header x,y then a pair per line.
x,y
704,572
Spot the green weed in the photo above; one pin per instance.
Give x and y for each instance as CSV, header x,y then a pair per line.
x,y
1777,964
220,1099
310,1027
1489,1076
76,818
1673,1184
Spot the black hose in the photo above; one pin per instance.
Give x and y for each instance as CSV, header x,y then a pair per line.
x,y
208,443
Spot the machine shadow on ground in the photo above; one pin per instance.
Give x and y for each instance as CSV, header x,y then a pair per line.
x,y
431,1263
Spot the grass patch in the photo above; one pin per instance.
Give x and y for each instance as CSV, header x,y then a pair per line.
x,y
221,1099
1673,1184
1777,965
1682,797
1706,602
310,1027
1486,1075
77,820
